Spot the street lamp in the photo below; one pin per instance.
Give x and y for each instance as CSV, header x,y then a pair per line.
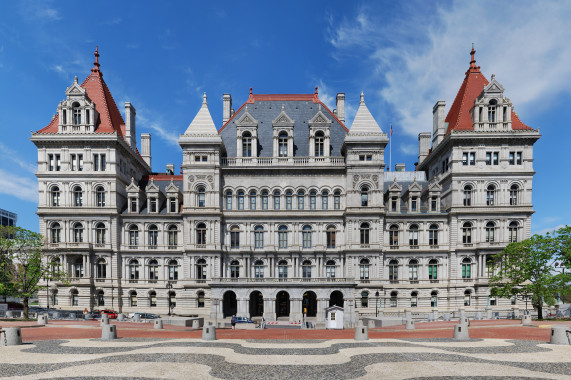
x,y
559,267
169,288
377,304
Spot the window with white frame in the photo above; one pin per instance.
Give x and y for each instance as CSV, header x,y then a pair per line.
x,y
55,196
277,200
100,196
514,190
100,233
229,200
434,299
467,233
134,269
78,233
252,197
282,144
153,234
433,235
331,237
393,300
282,269
393,270
247,144
413,235
259,237
413,270
490,195
306,269
153,270
512,231
201,269
133,236
172,236
414,299
337,200
467,297
433,269
319,144
201,200
289,200
306,236
282,237
201,234
77,196
55,233
364,265
312,199
330,269
240,200
300,200
265,197
467,195
466,268
364,230
259,269
324,200
490,232
364,196
173,270
235,237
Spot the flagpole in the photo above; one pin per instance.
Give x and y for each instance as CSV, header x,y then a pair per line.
x,y
391,148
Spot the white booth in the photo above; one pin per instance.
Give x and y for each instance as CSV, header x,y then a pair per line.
x,y
334,317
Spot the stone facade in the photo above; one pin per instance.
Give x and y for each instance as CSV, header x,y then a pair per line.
x,y
282,211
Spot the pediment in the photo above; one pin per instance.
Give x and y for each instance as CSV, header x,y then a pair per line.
x,y
172,188
414,187
494,87
320,119
395,186
247,120
132,187
435,187
151,187
283,120
75,89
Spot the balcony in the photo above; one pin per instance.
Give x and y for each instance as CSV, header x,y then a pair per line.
x,y
290,280
282,161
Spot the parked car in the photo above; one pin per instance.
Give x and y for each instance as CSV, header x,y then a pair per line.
x,y
144,315
242,320
111,313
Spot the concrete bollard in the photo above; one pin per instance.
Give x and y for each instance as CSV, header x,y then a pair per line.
x,y
407,314
10,336
104,319
42,319
489,314
137,318
121,317
409,324
195,324
526,320
362,333
461,332
560,335
446,317
208,332
461,313
478,316
435,314
360,323
108,332
158,324
430,318
465,321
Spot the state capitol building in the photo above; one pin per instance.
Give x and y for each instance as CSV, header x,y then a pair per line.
x,y
283,210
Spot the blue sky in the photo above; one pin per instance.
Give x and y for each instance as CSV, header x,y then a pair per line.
x,y
405,56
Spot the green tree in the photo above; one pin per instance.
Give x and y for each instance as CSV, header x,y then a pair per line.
x,y
526,268
22,250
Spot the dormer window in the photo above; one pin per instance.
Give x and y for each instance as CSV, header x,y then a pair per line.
x,y
414,204
76,114
247,144
492,111
133,207
153,204
282,144
172,204
394,204
319,144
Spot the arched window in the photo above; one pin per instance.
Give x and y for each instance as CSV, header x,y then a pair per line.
x,y
466,268
306,269
247,144
331,237
259,237
282,237
240,200
364,299
201,269
101,269
74,297
512,230
100,196
201,201
282,269
55,196
433,269
289,200
413,235
414,299
133,236
173,236
394,236
76,110
276,200
201,234
490,232
259,269
78,233
467,297
56,265
514,189
282,144
434,299
153,298
133,299
393,270
467,195
173,270
467,233
364,196
235,237
134,270
252,200
364,230
265,197
56,232
100,298
324,200
490,194
319,144
394,301
330,269
229,200
364,269
235,269
77,196
153,270
153,235
200,299
492,111
306,236
413,270
100,233
300,200
433,235
337,200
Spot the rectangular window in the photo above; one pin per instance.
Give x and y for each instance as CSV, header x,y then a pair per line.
x,y
276,201
472,158
172,204
196,158
488,158
259,239
282,239
73,162
300,202
362,157
465,159
518,158
512,158
413,204
330,239
306,239
133,204
495,158
289,201
312,201
153,204
394,204
433,272
433,204
336,201
264,201
252,201
235,240
324,202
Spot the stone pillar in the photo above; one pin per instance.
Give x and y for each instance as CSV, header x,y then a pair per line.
x,y
349,316
560,335
208,331
488,313
108,332
322,303
242,308
158,324
362,333
526,320
461,332
296,312
11,336
270,309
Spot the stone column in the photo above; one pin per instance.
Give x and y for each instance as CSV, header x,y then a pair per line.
x,y
296,313
322,303
243,308
270,309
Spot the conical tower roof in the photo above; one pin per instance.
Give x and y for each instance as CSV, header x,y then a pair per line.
x,y
202,124
364,122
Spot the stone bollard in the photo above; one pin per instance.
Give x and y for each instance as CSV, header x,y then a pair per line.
x,y
446,317
9,314
195,324
526,320
10,336
372,324
137,318
515,311
435,314
104,319
461,332
465,321
560,335
121,317
360,323
489,313
430,318
478,316
407,314
158,324
42,319
461,313
362,333
108,332
409,324
208,331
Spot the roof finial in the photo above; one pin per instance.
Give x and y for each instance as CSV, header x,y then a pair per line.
x,y
204,99
315,90
250,90
493,76
96,63
75,79
283,107
362,97
472,53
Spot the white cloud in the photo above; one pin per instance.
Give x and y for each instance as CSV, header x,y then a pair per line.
x,y
24,188
169,136
40,10
550,229
8,154
329,98
409,149
418,62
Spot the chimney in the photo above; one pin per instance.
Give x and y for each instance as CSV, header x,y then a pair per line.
x,y
400,167
226,108
146,147
340,106
130,131
423,145
438,130
170,168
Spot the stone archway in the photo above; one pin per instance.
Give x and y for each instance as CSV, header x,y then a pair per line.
x,y
336,298
229,304
256,304
309,304
282,304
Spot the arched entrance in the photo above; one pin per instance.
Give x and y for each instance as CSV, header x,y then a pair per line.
x,y
229,304
336,298
309,304
282,304
256,304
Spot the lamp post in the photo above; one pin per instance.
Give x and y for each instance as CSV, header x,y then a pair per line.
x,y
559,267
377,304
169,288
48,291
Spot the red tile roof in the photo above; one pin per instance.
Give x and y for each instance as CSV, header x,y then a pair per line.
x,y
459,118
163,177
